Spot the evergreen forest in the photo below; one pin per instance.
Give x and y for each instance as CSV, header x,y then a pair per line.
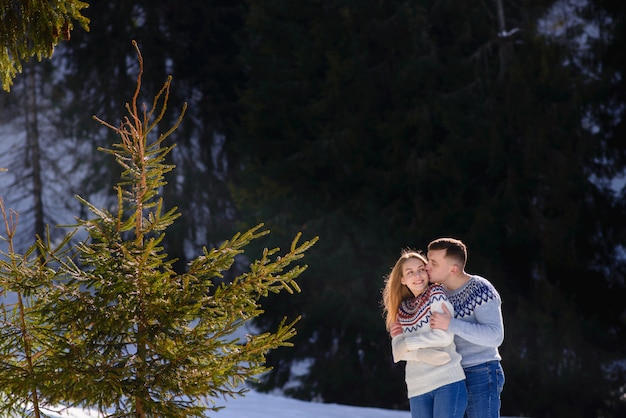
x,y
375,125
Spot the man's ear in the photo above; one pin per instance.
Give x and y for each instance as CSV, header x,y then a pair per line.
x,y
454,269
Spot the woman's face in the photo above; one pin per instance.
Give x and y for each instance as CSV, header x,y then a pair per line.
x,y
414,275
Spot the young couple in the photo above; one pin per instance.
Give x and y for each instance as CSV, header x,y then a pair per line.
x,y
447,325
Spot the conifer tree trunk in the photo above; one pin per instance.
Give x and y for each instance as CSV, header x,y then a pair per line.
x,y
28,354
33,150
504,44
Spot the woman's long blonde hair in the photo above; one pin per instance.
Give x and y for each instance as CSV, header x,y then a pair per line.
x,y
395,292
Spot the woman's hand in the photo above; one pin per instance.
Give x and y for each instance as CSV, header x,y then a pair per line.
x,y
396,329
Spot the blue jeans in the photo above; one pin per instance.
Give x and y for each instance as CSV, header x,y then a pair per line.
x,y
484,385
448,401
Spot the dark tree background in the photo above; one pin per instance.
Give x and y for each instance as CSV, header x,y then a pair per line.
x,y
386,124
378,125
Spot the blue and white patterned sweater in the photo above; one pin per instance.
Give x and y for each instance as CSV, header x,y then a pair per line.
x,y
477,324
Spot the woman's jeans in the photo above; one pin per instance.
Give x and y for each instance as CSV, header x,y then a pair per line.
x,y
484,385
448,401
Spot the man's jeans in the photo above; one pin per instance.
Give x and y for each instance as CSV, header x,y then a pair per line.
x,y
484,385
448,401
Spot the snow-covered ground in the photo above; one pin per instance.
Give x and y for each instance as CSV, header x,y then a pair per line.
x,y
260,405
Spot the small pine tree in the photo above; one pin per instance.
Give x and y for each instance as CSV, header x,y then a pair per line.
x,y
129,336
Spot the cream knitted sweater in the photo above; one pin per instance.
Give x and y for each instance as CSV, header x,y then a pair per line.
x,y
431,357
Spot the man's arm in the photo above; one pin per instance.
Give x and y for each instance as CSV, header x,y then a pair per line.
x,y
435,337
488,330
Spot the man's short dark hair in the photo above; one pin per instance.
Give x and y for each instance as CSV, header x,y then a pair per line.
x,y
455,249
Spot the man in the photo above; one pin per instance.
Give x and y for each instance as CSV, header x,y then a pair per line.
x,y
477,325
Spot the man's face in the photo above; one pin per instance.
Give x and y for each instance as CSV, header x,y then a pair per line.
x,y
438,267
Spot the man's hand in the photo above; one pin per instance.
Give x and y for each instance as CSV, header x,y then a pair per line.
x,y
440,320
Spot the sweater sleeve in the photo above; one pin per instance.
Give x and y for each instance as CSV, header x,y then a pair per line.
x,y
487,330
431,337
427,355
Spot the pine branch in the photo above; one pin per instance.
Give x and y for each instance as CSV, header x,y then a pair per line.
x,y
32,28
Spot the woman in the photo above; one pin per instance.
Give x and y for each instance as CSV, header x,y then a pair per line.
x,y
434,376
